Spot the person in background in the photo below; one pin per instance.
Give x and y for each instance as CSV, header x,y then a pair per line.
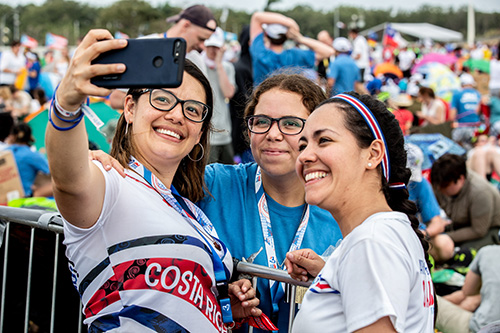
x,y
352,163
268,33
399,106
343,73
360,53
33,66
220,74
29,163
21,103
433,109
323,64
62,62
475,305
494,82
138,246
465,106
406,58
244,86
6,124
12,62
195,24
471,203
432,224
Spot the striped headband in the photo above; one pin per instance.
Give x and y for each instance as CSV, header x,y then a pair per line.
x,y
372,123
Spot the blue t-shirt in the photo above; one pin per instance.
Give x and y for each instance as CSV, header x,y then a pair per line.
x,y
467,103
422,194
345,72
29,163
233,211
33,81
265,61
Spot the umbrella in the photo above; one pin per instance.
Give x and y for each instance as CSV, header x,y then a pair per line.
x,y
441,79
434,146
480,64
441,58
38,123
388,69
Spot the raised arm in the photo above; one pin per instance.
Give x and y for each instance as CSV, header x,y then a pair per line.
x,y
321,50
78,184
260,18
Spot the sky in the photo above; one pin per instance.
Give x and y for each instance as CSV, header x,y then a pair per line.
x,y
327,5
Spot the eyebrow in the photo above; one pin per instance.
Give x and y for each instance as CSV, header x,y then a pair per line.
x,y
321,131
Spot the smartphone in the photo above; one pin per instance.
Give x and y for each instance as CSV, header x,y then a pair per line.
x,y
151,63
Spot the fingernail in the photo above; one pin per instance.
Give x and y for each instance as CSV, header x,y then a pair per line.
x,y
122,41
120,67
107,167
290,256
244,304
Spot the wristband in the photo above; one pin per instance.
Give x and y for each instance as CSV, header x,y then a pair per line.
x,y
61,111
74,122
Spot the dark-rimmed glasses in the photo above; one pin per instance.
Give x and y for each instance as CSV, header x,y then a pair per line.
x,y
260,124
164,100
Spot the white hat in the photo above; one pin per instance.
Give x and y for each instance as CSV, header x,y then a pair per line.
x,y
414,160
467,80
274,30
216,39
342,44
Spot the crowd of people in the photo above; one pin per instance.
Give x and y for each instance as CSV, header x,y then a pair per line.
x,y
293,154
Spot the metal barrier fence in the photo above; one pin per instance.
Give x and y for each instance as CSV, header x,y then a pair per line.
x,y
40,221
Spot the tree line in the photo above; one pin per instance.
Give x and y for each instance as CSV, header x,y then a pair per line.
x,y
73,19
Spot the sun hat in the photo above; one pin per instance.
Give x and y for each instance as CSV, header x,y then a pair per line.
x,y
467,80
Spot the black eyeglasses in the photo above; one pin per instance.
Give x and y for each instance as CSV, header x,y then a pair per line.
x,y
164,100
261,124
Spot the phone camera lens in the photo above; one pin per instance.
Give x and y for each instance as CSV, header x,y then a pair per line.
x,y
158,62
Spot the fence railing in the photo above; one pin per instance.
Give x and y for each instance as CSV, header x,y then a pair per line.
x,y
21,222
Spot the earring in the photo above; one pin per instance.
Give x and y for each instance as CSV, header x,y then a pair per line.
x,y
126,128
369,164
202,154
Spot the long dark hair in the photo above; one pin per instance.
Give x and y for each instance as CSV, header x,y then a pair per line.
x,y
355,123
189,177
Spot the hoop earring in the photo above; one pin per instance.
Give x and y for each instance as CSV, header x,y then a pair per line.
x,y
202,154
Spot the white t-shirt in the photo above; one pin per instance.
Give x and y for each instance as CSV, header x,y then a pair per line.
x,y
9,60
378,270
144,263
431,110
494,74
406,59
360,46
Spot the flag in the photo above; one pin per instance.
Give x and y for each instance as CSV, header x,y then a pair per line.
x,y
121,35
55,41
393,38
28,41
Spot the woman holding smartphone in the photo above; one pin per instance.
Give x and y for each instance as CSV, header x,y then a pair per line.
x,y
141,254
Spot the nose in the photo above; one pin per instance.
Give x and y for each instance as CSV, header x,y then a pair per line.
x,y
274,132
306,156
175,114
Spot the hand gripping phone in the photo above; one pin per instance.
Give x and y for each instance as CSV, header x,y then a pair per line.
x,y
151,63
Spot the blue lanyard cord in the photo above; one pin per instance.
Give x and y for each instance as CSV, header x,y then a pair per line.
x,y
222,274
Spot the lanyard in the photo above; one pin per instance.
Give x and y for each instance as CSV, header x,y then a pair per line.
x,y
277,291
186,208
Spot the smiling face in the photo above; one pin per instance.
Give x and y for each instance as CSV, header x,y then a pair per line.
x,y
274,151
331,163
164,138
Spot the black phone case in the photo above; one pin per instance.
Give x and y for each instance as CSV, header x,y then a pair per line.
x,y
151,63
